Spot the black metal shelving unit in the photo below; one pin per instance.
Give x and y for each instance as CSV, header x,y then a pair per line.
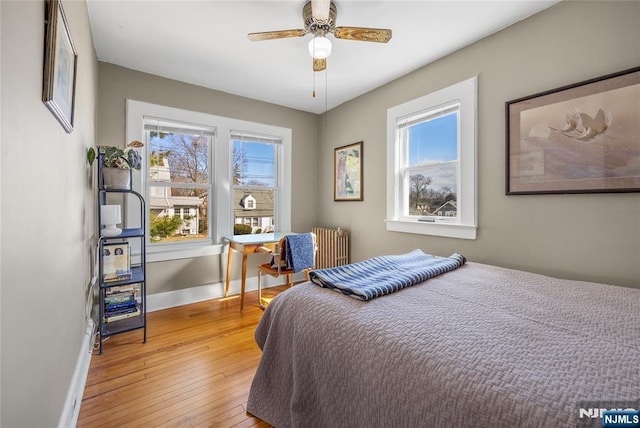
x,y
138,270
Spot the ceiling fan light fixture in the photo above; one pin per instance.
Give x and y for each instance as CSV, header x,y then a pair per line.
x,y
319,47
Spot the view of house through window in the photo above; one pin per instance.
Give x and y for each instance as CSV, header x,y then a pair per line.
x,y
255,183
431,167
179,181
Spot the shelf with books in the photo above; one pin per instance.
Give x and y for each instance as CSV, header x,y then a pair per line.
x,y
121,282
123,304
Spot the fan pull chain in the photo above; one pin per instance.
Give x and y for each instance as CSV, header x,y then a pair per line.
x,y
314,68
326,91
314,83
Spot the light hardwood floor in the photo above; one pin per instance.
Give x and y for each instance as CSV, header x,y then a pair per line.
x,y
195,369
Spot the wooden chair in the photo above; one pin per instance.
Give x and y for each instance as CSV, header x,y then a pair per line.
x,y
278,265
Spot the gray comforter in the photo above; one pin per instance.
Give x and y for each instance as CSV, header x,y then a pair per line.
x,y
480,346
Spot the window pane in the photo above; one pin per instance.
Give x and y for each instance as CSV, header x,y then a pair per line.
x,y
432,149
255,184
434,140
254,164
177,157
432,191
179,214
260,214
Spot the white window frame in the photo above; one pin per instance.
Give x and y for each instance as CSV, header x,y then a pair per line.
x,y
221,216
464,93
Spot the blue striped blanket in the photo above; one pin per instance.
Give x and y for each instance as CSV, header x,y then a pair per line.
x,y
382,275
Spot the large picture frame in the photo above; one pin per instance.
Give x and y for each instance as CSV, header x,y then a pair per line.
x,y
581,138
60,64
347,173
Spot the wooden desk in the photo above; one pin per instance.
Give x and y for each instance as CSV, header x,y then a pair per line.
x,y
247,244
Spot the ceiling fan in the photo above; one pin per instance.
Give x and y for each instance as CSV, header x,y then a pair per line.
x,y
319,18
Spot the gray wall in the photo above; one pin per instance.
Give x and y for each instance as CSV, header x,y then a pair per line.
x,y
590,237
47,212
47,218
118,84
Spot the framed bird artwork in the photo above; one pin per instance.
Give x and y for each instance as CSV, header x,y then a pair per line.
x,y
581,138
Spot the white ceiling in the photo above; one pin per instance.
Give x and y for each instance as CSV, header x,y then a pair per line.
x,y
205,43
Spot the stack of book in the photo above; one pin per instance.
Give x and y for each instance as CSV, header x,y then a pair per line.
x,y
121,302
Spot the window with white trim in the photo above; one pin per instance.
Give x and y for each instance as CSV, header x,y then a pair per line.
x,y
431,163
208,186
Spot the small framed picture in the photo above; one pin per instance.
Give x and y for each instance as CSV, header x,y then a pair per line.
x,y
347,168
116,259
581,138
60,63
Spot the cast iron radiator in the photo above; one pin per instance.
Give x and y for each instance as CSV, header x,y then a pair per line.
x,y
333,247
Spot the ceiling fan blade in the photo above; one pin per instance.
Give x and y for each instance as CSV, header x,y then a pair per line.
x,y
380,35
319,64
320,10
270,35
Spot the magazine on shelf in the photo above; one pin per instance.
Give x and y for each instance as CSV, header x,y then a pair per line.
x,y
112,318
116,258
118,311
120,298
122,292
116,306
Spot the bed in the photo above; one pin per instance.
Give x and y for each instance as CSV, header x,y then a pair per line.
x,y
478,346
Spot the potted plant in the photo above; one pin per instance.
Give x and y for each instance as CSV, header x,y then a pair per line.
x,y
117,164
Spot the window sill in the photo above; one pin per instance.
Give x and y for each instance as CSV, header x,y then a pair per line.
x,y
182,252
449,230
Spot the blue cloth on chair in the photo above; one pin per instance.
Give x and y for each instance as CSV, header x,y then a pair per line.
x,y
300,251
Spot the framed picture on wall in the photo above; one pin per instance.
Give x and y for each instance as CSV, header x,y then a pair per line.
x,y
60,63
581,138
347,177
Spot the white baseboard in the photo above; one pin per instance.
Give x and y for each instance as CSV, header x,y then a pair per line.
x,y
71,409
170,299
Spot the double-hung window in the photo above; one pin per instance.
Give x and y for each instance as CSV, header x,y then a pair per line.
x,y
190,179
431,169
